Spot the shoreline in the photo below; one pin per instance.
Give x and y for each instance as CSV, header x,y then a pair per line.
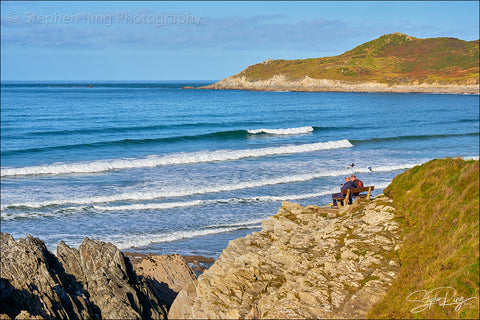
x,y
281,83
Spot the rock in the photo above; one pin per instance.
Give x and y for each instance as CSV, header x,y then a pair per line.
x,y
183,305
198,263
165,274
306,262
95,281
112,285
34,283
280,82
188,87
25,315
199,259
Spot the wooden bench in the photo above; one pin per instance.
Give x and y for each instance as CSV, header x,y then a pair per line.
x,y
348,192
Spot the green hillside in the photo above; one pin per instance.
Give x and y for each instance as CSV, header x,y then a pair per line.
x,y
438,206
394,59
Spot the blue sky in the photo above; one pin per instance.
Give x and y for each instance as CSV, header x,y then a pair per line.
x,y
194,40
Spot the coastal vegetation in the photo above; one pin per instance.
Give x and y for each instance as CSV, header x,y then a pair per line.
x,y
393,59
437,205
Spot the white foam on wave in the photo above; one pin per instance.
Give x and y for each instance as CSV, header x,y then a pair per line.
x,y
288,131
171,205
154,206
157,206
252,222
153,195
126,241
26,215
171,159
140,240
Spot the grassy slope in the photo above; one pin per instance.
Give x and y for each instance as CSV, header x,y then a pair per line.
x,y
395,59
438,205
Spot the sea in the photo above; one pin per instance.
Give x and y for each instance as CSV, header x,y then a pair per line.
x,y
154,168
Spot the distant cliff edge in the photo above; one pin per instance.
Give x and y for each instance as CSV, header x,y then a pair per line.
x,y
392,63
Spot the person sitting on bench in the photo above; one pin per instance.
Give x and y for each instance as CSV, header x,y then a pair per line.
x,y
357,182
347,185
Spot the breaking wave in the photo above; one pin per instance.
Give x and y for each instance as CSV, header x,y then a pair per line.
x,y
153,195
289,131
171,159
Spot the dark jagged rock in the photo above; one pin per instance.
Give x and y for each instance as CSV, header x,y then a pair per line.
x,y
110,281
95,281
33,280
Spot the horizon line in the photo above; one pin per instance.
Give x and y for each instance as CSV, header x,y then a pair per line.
x,y
123,80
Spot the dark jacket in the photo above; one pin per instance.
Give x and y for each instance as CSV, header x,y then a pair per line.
x,y
358,183
348,185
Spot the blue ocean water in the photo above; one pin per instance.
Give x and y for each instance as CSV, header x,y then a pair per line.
x,y
152,167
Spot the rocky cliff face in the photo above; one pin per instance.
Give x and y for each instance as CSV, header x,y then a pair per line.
x,y
282,83
306,262
94,282
166,275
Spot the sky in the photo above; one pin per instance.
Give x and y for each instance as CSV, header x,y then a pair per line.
x,y
198,40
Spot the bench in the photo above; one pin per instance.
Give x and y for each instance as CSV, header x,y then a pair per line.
x,y
348,192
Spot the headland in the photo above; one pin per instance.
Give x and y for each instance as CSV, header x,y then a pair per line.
x,y
392,63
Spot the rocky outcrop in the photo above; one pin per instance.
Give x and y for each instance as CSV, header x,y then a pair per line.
x,y
306,262
166,274
110,281
282,83
34,281
95,281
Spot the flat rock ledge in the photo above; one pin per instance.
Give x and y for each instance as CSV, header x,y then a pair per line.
x,y
281,83
95,281
306,262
